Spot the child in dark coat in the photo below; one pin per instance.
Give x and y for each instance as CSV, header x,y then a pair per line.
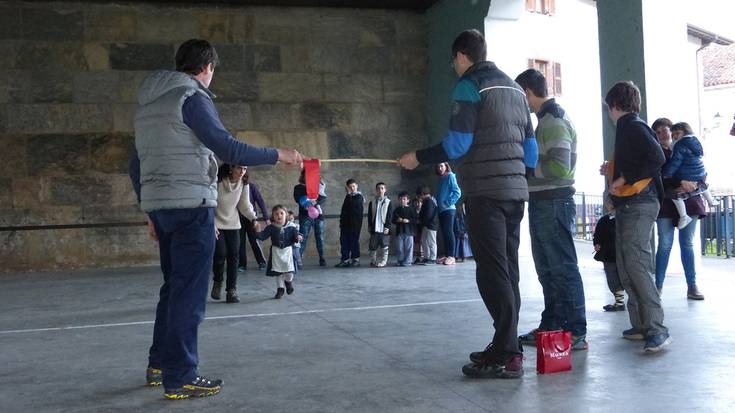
x,y
462,239
350,224
405,219
429,222
604,242
281,262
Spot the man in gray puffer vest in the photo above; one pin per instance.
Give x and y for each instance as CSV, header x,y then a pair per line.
x,y
174,173
491,134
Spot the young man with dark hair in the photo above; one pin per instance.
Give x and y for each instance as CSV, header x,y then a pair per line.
x,y
636,192
491,135
350,224
552,215
174,173
380,212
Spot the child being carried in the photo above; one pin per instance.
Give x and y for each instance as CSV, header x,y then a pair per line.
x,y
686,165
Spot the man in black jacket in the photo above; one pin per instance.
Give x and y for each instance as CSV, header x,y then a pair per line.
x,y
636,192
489,128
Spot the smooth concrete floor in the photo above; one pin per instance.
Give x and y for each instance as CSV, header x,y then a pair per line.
x,y
354,340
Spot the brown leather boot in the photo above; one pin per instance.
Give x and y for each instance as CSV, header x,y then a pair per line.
x,y
693,293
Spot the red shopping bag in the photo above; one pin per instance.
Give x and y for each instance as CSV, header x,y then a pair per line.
x,y
553,351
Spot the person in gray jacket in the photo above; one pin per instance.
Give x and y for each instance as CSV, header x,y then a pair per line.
x,y
174,173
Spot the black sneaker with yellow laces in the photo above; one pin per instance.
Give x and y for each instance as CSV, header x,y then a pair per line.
x,y
153,377
199,387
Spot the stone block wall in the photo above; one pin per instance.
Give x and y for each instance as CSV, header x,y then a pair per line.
x,y
328,82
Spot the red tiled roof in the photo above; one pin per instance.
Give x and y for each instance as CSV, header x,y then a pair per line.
x,y
719,65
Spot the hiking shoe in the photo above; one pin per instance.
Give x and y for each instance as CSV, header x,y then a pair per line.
x,y
216,290
478,356
355,262
529,339
153,377
512,369
289,287
656,343
279,293
580,343
232,296
343,264
693,293
614,307
199,387
633,334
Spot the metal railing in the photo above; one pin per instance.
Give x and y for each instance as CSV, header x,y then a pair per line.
x,y
717,229
589,211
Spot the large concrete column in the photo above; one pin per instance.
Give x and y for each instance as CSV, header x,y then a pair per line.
x,y
620,26
445,20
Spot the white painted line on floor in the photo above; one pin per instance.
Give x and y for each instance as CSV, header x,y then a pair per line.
x,y
225,317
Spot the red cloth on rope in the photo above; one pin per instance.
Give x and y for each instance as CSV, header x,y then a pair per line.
x,y
311,176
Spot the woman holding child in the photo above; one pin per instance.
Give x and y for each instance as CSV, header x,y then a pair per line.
x,y
668,216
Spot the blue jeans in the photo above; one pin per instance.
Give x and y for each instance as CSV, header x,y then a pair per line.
x,y
665,228
551,223
404,242
305,226
186,242
446,221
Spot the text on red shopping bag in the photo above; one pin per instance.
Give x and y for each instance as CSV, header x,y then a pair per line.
x,y
553,351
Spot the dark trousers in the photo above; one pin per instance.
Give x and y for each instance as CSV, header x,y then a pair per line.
x,y
613,279
186,243
350,245
247,233
446,221
494,232
226,251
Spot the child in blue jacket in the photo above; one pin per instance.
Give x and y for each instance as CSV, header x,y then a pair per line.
x,y
686,165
